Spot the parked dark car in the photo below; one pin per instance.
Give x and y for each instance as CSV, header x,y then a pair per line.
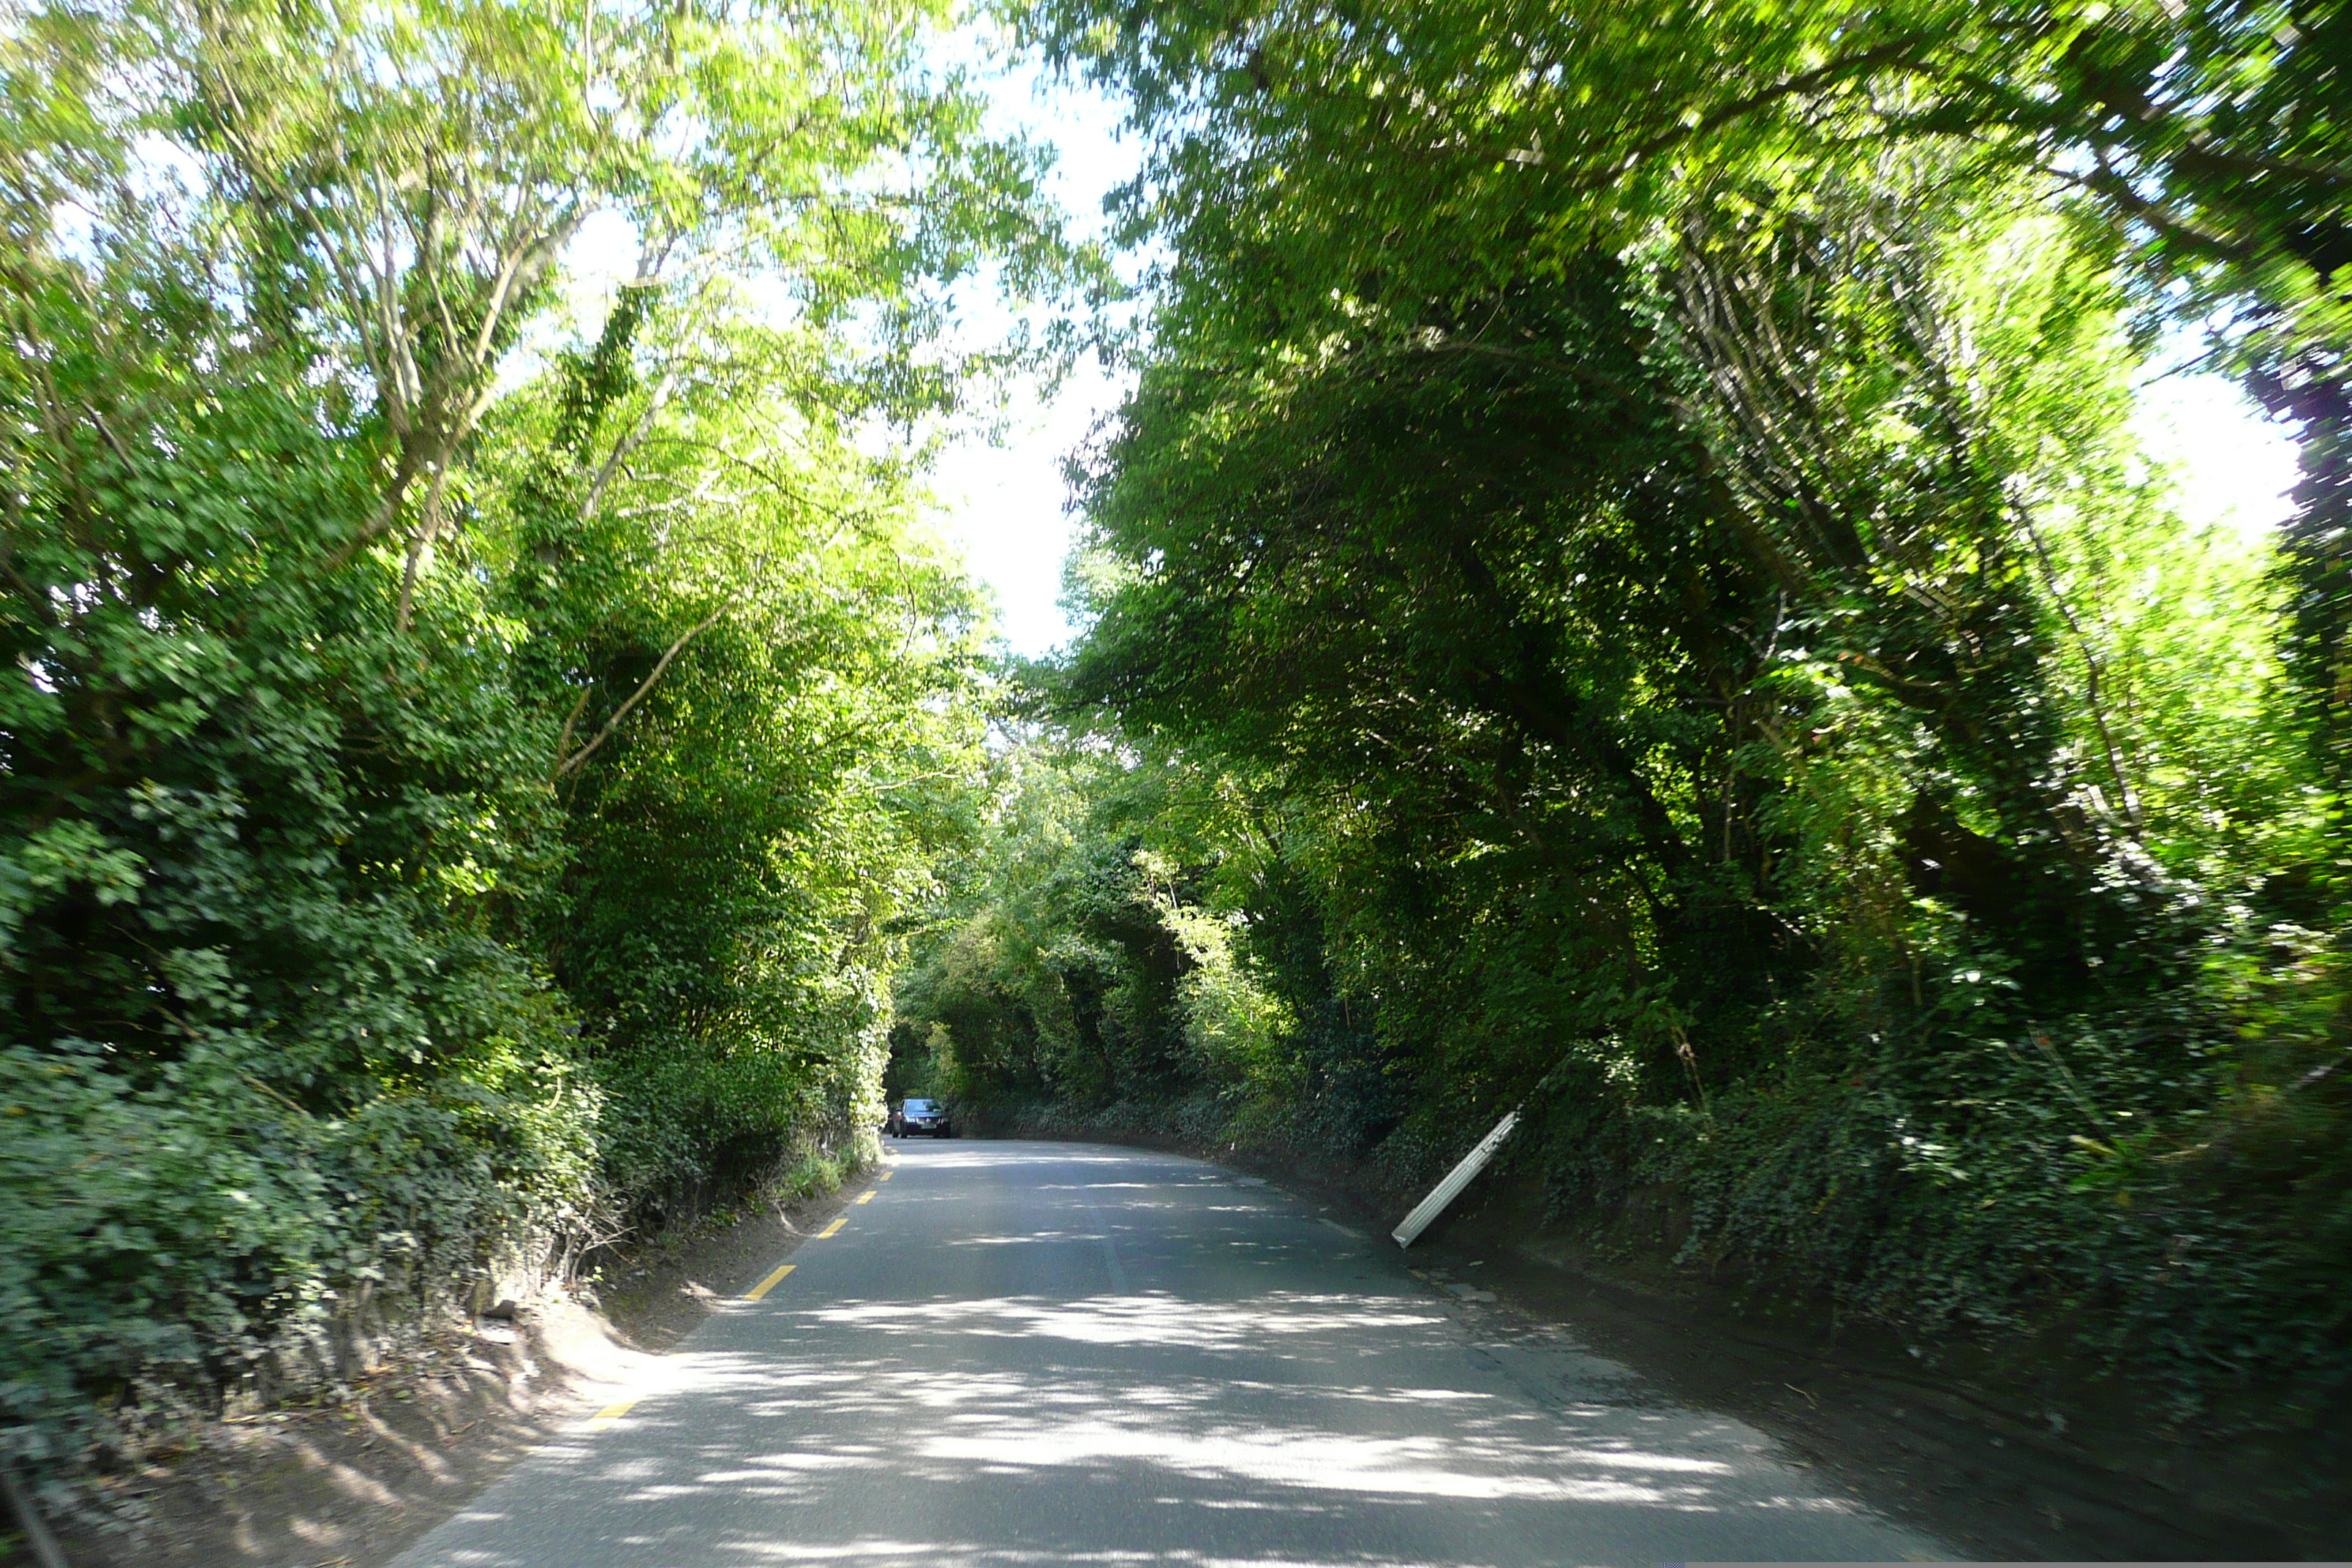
x,y
920,1118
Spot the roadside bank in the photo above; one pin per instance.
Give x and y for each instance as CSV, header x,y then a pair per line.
x,y
352,1478
2017,1451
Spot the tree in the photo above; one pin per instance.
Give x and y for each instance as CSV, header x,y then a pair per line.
x,y
472,739
1369,157
1641,512
410,175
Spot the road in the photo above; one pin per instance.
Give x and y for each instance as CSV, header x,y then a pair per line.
x,y
1028,1352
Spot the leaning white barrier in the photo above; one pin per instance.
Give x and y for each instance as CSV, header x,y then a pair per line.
x,y
1446,1191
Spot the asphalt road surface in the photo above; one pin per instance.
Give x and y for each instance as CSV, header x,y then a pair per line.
x,y
1025,1353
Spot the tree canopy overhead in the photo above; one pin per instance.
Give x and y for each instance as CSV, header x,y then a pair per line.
x,y
1357,162
1629,566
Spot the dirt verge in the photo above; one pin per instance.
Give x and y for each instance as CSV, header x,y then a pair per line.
x,y
351,1481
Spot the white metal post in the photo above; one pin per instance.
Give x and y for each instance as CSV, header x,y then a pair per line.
x,y
1446,1191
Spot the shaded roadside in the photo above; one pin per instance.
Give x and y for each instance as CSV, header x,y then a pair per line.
x,y
2019,1451
351,1482
2012,1453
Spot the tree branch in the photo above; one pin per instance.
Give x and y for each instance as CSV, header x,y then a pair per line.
x,y
572,763
1902,52
628,443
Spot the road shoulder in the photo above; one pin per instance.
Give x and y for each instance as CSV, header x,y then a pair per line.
x,y
2021,1453
351,1481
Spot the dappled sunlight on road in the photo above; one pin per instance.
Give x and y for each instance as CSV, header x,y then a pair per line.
x,y
1199,1443
1477,1464
782,1432
957,1554
1297,1400
1156,1319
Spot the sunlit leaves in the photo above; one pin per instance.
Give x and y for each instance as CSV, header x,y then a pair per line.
x,y
1646,500
462,783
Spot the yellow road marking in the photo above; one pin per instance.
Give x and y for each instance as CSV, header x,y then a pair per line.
x,y
888,1174
836,1225
866,1196
770,1283
610,1414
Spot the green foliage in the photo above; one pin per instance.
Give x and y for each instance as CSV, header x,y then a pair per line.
x,y
473,743
1354,161
1627,570
259,1010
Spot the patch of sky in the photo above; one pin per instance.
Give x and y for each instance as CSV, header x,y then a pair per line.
x,y
2232,465
999,490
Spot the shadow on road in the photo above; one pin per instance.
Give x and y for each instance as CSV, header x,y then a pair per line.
x,y
1270,1390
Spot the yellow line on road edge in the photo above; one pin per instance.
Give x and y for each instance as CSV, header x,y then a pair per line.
x,y
770,1283
610,1414
866,1196
836,1225
887,1176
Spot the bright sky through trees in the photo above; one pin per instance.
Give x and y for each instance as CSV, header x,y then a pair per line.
x,y
2235,466
1005,504
1621,532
